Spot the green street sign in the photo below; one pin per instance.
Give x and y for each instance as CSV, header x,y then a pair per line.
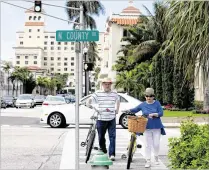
x,y
77,35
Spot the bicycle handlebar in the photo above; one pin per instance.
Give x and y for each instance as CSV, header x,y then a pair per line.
x,y
128,112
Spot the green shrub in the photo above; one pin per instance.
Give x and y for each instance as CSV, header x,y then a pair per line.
x,y
198,105
191,149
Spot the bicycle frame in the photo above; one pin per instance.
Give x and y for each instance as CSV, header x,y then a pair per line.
x,y
132,147
92,128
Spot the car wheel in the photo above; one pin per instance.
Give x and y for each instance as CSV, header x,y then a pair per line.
x,y
16,107
56,120
124,121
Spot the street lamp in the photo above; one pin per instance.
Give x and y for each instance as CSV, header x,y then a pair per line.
x,y
85,50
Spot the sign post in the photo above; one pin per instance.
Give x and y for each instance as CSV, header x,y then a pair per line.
x,y
78,36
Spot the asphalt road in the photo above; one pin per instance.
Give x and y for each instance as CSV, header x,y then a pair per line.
x,y
21,117
26,144
31,148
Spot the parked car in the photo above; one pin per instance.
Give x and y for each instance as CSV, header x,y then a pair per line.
x,y
25,100
53,101
62,116
9,101
39,99
3,104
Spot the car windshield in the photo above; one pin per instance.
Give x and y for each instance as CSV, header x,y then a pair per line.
x,y
24,97
39,97
8,97
55,99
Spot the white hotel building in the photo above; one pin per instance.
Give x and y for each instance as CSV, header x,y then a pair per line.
x,y
116,29
38,48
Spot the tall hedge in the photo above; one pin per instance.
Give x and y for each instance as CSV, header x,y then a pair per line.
x,y
158,78
167,79
183,94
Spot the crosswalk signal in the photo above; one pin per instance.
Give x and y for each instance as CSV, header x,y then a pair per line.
x,y
88,66
37,6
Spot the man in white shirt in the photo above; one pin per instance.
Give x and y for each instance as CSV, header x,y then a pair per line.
x,y
108,105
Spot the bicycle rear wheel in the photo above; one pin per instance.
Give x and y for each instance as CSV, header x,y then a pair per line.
x,y
130,151
90,145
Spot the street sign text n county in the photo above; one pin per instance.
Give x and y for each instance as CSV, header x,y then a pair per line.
x,y
77,35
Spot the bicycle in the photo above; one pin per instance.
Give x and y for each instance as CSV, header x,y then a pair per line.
x,y
132,146
91,135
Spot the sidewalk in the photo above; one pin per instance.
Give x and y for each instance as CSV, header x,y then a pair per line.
x,y
68,154
174,122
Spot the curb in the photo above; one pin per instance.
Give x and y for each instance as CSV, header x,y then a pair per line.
x,y
177,125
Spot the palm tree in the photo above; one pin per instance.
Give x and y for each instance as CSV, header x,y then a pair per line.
x,y
127,81
189,38
155,32
12,78
41,84
90,8
92,52
25,76
7,67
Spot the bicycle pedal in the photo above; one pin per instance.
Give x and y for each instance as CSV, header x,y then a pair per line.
x,y
96,148
83,144
123,156
139,146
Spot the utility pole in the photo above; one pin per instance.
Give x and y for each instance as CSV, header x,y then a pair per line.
x,y
81,54
77,90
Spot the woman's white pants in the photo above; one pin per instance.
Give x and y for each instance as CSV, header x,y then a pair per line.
x,y
152,137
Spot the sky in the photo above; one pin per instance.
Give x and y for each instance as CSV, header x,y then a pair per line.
x,y
13,18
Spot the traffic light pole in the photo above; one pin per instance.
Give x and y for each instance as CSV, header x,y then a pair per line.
x,y
81,54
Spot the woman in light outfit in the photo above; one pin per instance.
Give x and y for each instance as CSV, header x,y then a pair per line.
x,y
153,110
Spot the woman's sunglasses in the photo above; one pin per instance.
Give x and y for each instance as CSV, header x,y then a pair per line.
x,y
149,96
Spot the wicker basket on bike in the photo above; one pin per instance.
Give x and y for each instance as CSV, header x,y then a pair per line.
x,y
137,124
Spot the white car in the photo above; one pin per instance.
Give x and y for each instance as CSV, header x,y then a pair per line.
x,y
25,101
53,100
64,115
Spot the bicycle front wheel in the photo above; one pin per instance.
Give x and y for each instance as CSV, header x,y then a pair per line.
x,y
130,151
90,145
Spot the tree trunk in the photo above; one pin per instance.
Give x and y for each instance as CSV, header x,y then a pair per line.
x,y
13,88
206,95
8,83
17,89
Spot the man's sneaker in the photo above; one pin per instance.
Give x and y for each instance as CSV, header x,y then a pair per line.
x,y
112,158
148,164
156,160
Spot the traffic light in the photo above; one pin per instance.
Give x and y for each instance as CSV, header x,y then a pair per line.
x,y
37,6
88,66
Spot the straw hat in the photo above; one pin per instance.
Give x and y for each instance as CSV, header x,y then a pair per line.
x,y
107,80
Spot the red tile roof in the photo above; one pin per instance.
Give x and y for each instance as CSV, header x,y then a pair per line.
x,y
131,9
125,21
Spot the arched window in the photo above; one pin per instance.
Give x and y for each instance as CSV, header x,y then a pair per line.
x,y
39,18
34,18
30,17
